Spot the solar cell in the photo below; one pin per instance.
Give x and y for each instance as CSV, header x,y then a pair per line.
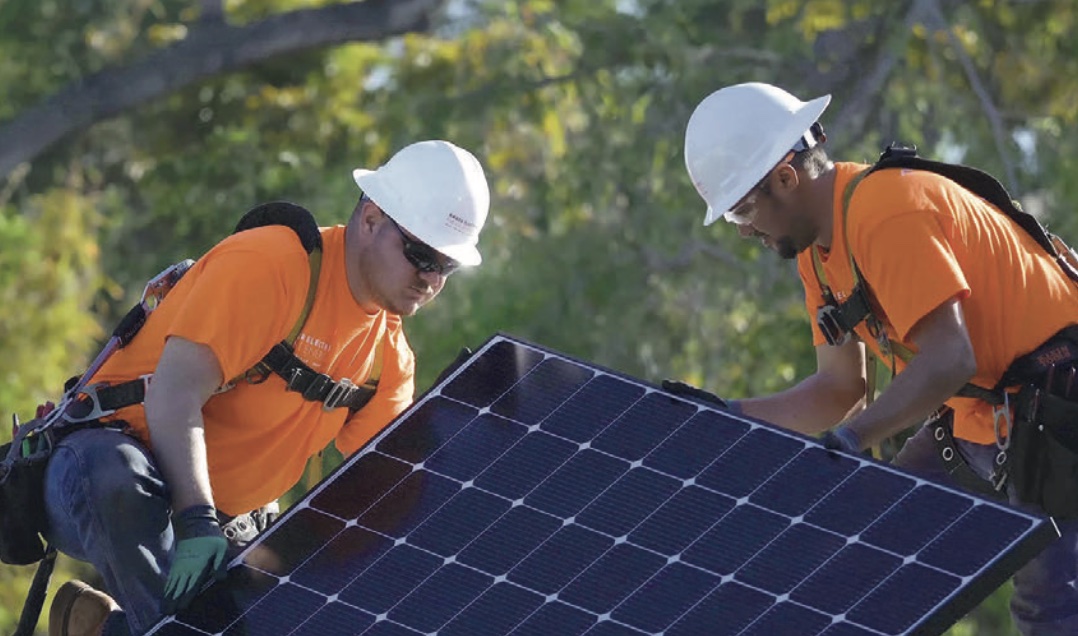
x,y
533,494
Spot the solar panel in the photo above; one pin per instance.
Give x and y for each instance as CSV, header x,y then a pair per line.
x,y
532,494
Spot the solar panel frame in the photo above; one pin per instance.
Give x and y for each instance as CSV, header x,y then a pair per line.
x,y
676,545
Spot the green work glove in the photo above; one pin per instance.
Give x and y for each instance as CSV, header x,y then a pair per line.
x,y
200,556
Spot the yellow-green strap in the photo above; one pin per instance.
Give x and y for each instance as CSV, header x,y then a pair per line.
x,y
258,373
847,195
315,259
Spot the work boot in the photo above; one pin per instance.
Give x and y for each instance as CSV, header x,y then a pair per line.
x,y
79,610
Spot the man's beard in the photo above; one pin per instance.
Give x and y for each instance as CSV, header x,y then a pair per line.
x,y
798,240
786,248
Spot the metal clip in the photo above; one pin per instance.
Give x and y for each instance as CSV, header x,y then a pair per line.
x,y
999,473
829,320
1003,413
339,393
88,395
159,286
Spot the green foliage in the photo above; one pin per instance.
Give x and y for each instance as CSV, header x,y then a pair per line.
x,y
49,276
577,108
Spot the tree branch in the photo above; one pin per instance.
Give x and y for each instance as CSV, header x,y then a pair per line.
x,y
995,120
212,10
211,48
854,113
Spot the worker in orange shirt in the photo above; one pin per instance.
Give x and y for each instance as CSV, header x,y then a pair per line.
x,y
143,498
898,261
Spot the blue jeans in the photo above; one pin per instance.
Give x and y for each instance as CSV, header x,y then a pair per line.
x,y
1045,600
108,504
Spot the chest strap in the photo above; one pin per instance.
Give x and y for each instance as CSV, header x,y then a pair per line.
x,y
100,401
320,387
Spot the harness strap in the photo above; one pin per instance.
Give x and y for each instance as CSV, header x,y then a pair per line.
x,y
952,459
35,598
319,387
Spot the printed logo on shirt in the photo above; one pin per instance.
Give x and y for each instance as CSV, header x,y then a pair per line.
x,y
312,350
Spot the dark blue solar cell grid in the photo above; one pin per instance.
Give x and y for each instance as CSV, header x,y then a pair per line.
x,y
576,483
497,610
845,578
696,444
634,497
750,462
644,426
665,597
557,562
788,618
542,391
680,520
860,500
509,540
530,494
612,578
556,618
475,447
526,465
598,403
919,518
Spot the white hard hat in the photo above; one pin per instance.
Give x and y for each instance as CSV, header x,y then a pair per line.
x,y
435,190
738,134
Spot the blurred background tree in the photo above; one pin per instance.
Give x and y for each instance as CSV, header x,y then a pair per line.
x,y
134,133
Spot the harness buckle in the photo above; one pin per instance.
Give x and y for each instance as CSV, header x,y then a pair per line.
x,y
338,394
85,406
829,320
1002,413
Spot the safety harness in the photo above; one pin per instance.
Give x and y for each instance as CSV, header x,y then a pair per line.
x,y
97,401
23,461
837,320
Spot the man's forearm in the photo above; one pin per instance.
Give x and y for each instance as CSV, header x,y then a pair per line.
x,y
811,406
927,382
179,445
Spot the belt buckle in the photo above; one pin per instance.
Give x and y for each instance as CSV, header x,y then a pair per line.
x,y
830,324
339,393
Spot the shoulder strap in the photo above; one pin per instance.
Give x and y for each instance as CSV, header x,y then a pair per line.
x,y
300,220
985,186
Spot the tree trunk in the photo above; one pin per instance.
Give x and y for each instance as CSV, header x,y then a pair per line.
x,y
212,47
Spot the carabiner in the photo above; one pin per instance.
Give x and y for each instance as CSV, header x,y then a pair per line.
x,y
1002,413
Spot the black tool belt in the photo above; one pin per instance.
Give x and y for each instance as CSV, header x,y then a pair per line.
x,y
1037,446
1043,463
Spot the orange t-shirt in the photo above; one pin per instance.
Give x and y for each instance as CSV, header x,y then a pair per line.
x,y
920,240
241,299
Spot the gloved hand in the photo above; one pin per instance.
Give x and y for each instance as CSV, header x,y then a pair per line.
x,y
687,390
199,556
841,438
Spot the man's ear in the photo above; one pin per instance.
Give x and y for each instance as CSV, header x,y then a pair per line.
x,y
370,215
787,176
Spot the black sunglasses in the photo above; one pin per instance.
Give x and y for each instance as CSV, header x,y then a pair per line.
x,y
423,257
